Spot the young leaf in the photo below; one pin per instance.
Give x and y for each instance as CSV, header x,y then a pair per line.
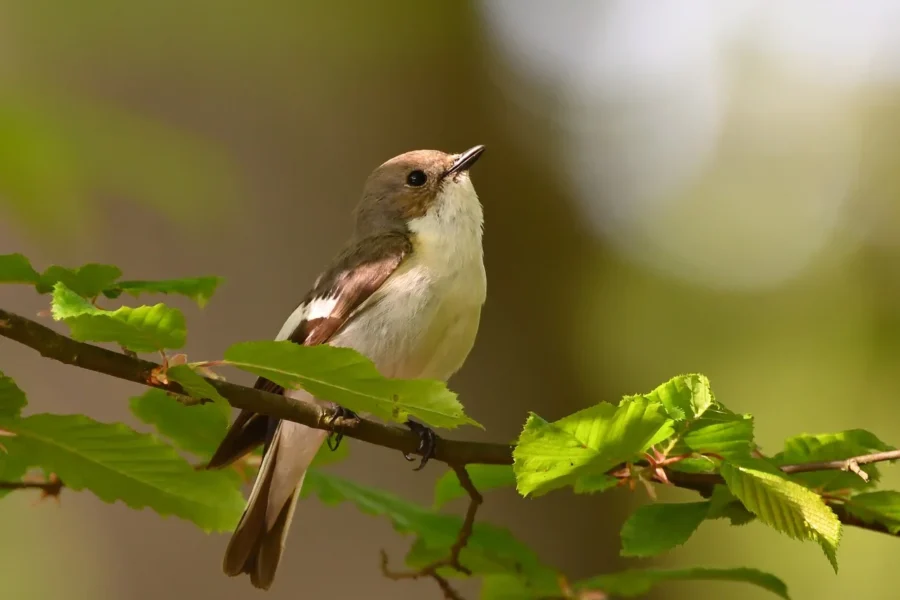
x,y
15,268
197,429
484,477
142,329
593,484
87,281
787,506
625,584
638,582
730,438
589,442
12,399
877,507
13,464
490,549
117,463
656,528
198,289
828,447
723,505
198,387
685,396
347,377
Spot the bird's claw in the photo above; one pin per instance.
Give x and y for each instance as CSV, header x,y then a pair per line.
x,y
427,442
335,436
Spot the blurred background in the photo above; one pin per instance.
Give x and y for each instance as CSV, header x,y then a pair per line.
x,y
669,187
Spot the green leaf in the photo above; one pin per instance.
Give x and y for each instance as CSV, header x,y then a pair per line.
x,y
625,584
731,438
348,378
685,396
142,329
784,505
590,442
12,399
724,505
198,387
638,582
877,507
484,477
117,463
656,528
490,549
198,289
86,281
828,447
197,429
15,268
593,484
13,464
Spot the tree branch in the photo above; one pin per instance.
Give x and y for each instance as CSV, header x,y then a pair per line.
x,y
455,453
94,358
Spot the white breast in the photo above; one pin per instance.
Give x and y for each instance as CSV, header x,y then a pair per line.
x,y
423,321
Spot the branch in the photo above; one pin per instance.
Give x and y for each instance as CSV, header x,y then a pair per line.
x,y
455,453
94,358
452,560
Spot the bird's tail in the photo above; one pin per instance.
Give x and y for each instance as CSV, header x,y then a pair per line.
x,y
257,543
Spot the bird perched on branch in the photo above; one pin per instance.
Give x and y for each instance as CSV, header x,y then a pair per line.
x,y
406,292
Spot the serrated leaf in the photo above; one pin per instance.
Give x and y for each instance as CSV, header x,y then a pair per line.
x,y
198,387
484,477
731,439
656,528
348,378
86,281
724,505
15,268
625,584
784,505
198,289
637,582
829,447
593,484
12,399
118,463
197,429
490,549
684,396
142,329
590,442
877,507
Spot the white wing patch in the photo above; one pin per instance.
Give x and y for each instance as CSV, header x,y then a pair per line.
x,y
317,308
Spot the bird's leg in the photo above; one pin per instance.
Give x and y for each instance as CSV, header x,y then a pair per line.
x,y
335,436
427,441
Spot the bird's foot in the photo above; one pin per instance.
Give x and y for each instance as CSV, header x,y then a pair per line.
x,y
336,435
427,441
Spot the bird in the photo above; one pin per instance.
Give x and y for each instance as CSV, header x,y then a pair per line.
x,y
406,291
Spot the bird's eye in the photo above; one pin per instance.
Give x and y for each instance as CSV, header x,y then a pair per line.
x,y
416,178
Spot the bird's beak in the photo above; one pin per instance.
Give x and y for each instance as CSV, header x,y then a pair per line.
x,y
465,160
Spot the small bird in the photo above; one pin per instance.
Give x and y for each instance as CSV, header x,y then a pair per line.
x,y
406,292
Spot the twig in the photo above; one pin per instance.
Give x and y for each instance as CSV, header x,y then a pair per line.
x,y
452,559
457,454
847,464
50,487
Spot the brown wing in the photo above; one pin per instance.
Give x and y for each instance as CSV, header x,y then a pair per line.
x,y
353,278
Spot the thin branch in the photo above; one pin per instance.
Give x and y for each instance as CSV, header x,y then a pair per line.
x,y
51,344
847,464
455,453
50,487
452,559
